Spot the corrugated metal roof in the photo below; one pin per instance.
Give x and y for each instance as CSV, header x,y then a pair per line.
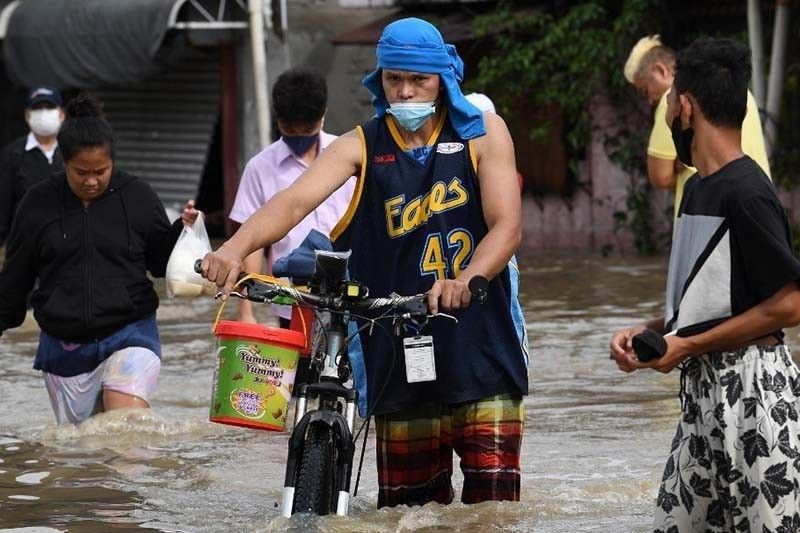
x,y
164,126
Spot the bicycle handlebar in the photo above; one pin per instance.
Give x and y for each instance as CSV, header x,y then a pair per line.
x,y
262,291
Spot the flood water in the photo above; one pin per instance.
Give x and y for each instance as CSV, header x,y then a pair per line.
x,y
594,445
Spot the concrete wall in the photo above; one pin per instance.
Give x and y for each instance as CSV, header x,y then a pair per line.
x,y
585,221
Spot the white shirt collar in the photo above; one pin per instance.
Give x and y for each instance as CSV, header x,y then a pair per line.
x,y
32,143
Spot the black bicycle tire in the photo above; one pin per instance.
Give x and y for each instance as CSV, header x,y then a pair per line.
x,y
316,473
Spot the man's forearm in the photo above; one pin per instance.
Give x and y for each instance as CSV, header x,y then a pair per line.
x,y
661,172
656,324
494,251
779,311
266,226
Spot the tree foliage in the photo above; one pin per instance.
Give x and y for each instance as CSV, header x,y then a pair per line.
x,y
564,57
559,56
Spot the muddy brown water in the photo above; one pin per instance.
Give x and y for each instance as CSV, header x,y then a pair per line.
x,y
594,444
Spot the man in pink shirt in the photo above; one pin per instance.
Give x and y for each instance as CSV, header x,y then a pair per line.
x,y
299,101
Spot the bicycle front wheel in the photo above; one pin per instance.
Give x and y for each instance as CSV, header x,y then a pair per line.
x,y
314,490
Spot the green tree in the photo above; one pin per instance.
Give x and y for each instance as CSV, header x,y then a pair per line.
x,y
563,57
559,57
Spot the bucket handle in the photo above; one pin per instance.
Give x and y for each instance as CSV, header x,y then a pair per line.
x,y
260,277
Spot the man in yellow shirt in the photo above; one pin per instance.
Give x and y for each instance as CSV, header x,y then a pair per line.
x,y
651,69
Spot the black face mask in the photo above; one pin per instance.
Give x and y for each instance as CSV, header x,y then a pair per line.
x,y
300,144
683,141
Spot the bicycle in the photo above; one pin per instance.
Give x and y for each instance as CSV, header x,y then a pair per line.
x,y
321,446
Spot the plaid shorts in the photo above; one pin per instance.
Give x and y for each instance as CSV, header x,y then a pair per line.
x,y
415,452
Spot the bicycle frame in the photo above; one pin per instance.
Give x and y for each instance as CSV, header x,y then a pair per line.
x,y
329,389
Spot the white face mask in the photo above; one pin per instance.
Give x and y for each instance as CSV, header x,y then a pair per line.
x,y
44,122
412,115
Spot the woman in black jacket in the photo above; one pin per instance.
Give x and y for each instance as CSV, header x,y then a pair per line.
x,y
89,235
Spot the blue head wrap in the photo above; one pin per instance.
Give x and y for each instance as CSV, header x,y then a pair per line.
x,y
411,44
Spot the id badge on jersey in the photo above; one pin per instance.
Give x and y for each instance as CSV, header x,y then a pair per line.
x,y
420,364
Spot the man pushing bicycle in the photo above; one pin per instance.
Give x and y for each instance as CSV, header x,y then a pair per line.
x,y
436,204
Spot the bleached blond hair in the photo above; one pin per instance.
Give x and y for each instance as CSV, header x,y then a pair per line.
x,y
639,51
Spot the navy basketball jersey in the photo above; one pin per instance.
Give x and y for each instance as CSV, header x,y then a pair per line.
x,y
408,225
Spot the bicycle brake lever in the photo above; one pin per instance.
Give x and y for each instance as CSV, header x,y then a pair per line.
x,y
442,315
232,293
253,297
416,308
256,292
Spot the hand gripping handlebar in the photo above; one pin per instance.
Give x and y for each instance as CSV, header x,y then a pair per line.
x,y
261,291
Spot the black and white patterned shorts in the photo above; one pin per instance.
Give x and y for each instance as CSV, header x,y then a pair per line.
x,y
734,464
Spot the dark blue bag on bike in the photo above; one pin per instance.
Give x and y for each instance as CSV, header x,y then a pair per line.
x,y
300,262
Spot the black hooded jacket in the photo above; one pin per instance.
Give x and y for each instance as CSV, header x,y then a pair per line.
x,y
91,262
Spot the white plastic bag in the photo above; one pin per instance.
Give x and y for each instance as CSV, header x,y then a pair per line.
x,y
192,245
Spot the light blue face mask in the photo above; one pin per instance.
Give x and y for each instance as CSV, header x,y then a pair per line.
x,y
412,115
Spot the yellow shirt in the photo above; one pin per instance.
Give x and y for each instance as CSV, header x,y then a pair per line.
x,y
661,144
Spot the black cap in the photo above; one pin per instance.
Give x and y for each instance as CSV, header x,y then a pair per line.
x,y
43,94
